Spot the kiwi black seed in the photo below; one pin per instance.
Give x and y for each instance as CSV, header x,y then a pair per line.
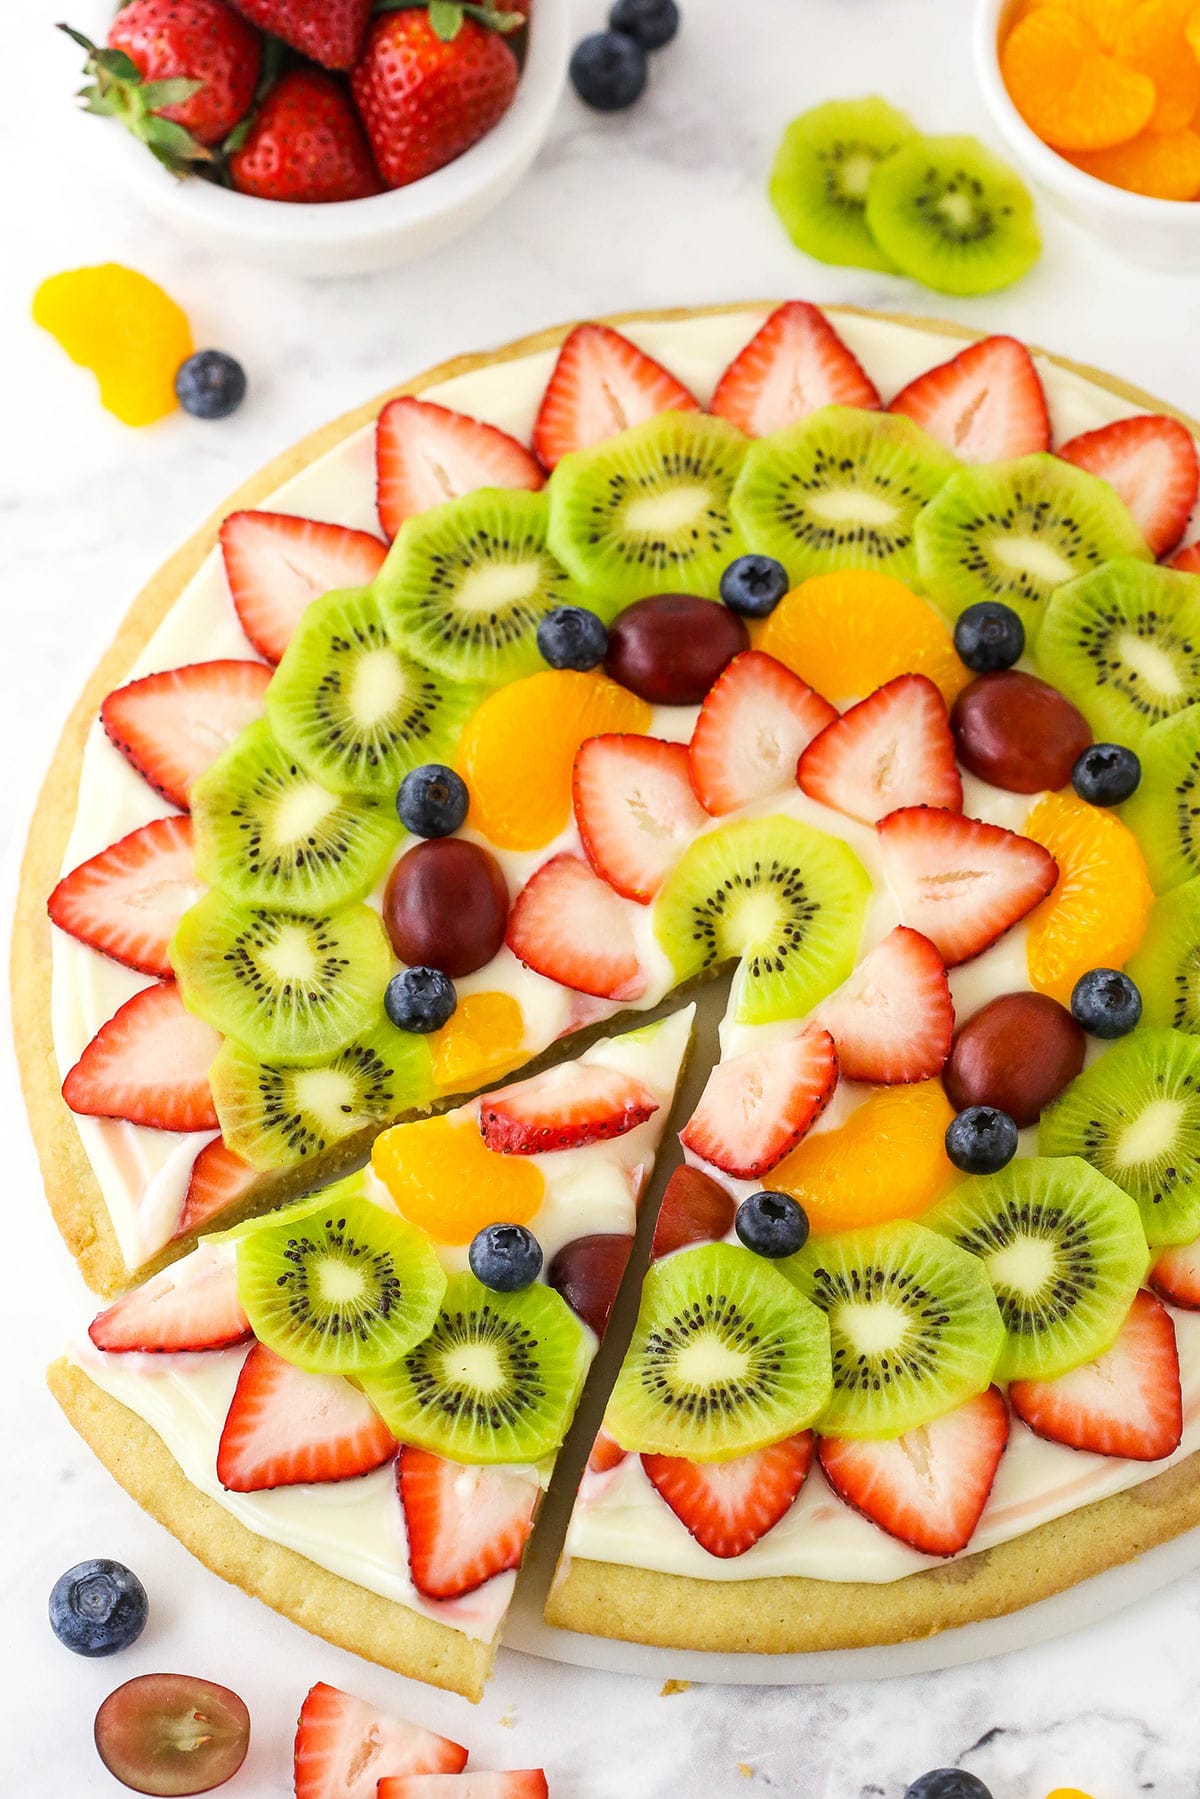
x,y
1164,813
952,216
821,174
1166,968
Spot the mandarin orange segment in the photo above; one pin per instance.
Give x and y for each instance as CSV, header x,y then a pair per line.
x,y
847,633
485,1037
1096,915
1163,164
1150,38
444,1178
123,327
888,1160
1065,86
518,750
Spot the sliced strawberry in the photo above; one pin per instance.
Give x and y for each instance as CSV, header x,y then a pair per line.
x,y
569,925
601,385
425,454
192,1305
344,1747
126,901
605,1454
1187,560
1176,1275
729,1506
1128,1402
172,726
275,564
895,748
757,1106
521,1783
756,720
793,364
464,1524
986,404
286,1427
961,882
218,1180
892,1021
635,809
564,1108
694,1209
148,1064
1152,463
928,1487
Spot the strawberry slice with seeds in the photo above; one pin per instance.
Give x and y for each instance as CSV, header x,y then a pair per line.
x,y
987,404
345,1746
172,726
757,1106
193,1305
756,720
958,881
148,1064
1128,1402
893,1020
1187,560
465,1525
520,1783
425,454
276,564
217,1181
929,1486
569,925
729,1506
126,901
694,1209
893,749
1176,1275
286,1427
564,1108
635,809
793,364
601,385
1152,463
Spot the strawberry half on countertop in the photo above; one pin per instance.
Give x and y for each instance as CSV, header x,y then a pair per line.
x,y
344,1747
517,1783
327,31
305,144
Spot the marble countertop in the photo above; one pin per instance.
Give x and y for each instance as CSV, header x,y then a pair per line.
x,y
664,205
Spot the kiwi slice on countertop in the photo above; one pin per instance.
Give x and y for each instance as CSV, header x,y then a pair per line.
x,y
269,834
648,511
726,1356
819,178
913,1325
1065,1252
283,984
351,709
466,585
1135,1115
841,489
1018,531
1166,968
785,898
496,1379
1164,813
952,216
1124,644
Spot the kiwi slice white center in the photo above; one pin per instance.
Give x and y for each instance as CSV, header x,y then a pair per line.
x,y
377,687
493,587
842,505
1153,1132
1030,556
662,515
1152,663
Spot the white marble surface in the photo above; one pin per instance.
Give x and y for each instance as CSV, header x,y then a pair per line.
x,y
664,205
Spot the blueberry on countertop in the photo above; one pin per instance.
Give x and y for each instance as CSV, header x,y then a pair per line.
x,y
948,1783
608,70
652,23
210,384
98,1607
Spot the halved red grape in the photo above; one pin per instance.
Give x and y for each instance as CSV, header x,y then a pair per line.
x,y
446,906
587,1272
670,648
1018,732
172,1734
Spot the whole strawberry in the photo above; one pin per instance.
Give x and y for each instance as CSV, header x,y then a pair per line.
x,y
305,143
329,31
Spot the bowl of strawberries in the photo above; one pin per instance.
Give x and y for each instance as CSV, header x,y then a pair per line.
x,y
325,137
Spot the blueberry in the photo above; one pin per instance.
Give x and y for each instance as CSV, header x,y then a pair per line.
x,y
505,1257
772,1224
608,70
948,1783
210,384
988,636
1106,1002
754,585
981,1140
98,1608
651,23
572,637
420,999
1106,774
432,801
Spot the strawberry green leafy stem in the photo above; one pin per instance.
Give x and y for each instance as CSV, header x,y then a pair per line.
x,y
117,91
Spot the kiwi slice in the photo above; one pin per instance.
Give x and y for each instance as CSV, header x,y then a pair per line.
x,y
1065,1252
283,984
726,1356
275,1114
1135,1115
648,511
336,1284
496,1378
952,216
1166,968
841,489
913,1326
466,585
1164,813
1018,531
819,178
351,709
268,833
789,900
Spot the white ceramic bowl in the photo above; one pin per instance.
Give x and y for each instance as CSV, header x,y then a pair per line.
x,y
351,237
1164,233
